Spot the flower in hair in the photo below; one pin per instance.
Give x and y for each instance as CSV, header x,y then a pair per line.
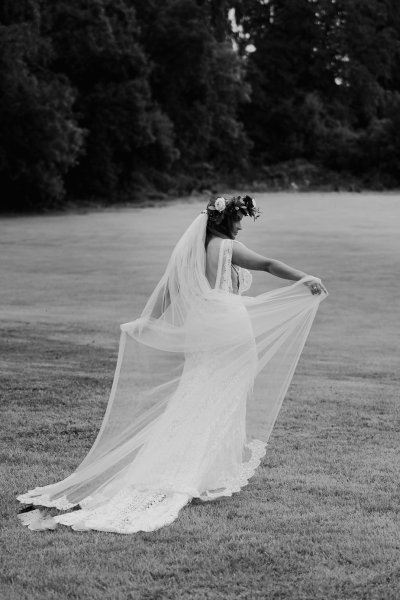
x,y
220,207
251,207
220,204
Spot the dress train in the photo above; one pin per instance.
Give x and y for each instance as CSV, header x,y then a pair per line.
x,y
192,442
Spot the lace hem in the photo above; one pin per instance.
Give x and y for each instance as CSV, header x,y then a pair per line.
x,y
247,470
129,511
132,510
38,499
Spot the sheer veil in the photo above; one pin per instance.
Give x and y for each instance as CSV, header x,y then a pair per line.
x,y
188,330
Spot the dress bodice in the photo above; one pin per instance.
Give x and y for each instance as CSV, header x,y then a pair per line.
x,y
230,277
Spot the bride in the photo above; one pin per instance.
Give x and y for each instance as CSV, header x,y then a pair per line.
x,y
187,417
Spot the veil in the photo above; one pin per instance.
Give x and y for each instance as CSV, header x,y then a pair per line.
x,y
188,330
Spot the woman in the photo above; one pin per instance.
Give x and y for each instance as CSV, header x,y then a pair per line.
x,y
184,409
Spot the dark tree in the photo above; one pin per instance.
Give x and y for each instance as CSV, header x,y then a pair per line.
x,y
324,79
103,97
197,78
97,48
40,140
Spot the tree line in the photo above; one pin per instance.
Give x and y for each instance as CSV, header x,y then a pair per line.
x,y
103,98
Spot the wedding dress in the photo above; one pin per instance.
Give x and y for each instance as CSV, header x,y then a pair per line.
x,y
184,409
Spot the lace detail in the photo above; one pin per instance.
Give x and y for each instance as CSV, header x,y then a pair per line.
x,y
231,278
224,278
245,280
128,511
35,497
235,484
131,510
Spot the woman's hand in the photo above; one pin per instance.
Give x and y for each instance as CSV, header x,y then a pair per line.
x,y
315,285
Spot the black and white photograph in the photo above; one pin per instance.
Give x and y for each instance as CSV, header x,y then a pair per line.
x,y
199,260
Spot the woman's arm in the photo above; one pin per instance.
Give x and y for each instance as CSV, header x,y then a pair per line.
x,y
244,257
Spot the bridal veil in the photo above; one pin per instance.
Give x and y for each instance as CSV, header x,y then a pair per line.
x,y
187,332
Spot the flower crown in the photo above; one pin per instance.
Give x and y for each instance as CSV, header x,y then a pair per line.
x,y
220,207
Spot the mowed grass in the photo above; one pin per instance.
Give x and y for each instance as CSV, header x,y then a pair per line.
x,y
320,520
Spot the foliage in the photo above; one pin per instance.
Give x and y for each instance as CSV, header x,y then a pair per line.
x,y
97,49
104,97
198,81
325,80
40,139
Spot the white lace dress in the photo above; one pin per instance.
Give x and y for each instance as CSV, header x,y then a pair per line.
x,y
197,448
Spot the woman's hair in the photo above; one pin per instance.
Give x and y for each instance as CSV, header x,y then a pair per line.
x,y
225,227
222,214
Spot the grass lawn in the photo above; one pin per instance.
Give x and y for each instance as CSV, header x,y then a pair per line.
x,y
320,520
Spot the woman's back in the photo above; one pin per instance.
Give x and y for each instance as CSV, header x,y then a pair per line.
x,y
221,271
212,258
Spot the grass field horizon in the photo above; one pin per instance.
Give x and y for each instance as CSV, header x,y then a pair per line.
x,y
319,520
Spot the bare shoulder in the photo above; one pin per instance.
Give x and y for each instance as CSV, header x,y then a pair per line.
x,y
212,252
244,257
214,245
238,248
